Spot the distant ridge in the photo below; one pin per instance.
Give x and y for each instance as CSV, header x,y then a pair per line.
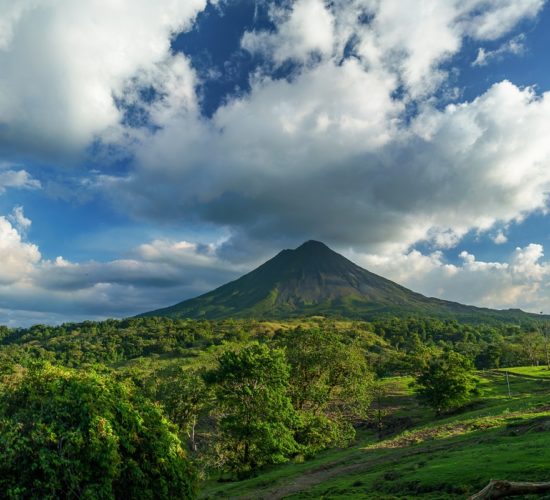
x,y
315,280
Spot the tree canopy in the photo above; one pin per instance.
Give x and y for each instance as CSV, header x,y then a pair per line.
x,y
80,434
446,381
255,414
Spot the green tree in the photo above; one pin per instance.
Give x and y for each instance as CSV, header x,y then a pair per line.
x,y
255,414
419,357
75,434
185,397
329,375
446,381
379,409
330,387
533,346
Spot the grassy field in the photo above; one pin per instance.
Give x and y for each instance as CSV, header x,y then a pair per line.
x,y
529,371
495,437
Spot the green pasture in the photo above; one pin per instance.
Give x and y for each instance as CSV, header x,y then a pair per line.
x,y
497,436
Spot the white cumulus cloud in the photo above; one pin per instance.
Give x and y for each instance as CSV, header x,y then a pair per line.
x,y
17,257
521,281
306,29
155,274
64,61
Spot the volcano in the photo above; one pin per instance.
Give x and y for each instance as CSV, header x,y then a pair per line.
x,y
315,280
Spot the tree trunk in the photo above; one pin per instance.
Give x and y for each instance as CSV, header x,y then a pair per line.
x,y
193,442
502,489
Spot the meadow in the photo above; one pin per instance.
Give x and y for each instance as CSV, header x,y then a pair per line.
x,y
493,437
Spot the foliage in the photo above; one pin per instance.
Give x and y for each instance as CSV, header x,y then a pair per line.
x,y
316,432
330,386
113,341
331,364
446,382
80,434
391,345
328,374
255,414
186,397
379,411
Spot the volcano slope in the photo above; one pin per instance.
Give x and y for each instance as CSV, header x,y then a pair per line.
x,y
315,280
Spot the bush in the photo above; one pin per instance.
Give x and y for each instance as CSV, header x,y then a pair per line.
x,y
74,434
446,381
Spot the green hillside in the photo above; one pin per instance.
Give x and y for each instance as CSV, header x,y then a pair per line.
x,y
315,280
496,437
350,425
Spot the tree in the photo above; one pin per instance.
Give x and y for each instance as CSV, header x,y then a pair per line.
x,y
447,381
330,387
255,414
379,410
490,356
533,346
80,434
185,397
328,375
419,357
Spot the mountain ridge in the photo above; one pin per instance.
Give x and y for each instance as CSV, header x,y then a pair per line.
x,y
313,279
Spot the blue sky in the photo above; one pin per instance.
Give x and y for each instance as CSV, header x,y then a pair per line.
x,y
149,152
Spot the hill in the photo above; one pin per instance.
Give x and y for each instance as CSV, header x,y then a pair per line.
x,y
497,436
314,280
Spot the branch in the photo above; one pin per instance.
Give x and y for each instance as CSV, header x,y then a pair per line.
x,y
501,489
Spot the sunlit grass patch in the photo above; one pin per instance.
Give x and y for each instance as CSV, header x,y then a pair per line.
x,y
530,371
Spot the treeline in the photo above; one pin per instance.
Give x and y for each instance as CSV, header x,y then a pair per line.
x,y
392,340
112,341
487,346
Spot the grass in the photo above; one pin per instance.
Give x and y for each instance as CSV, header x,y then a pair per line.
x,y
529,371
495,437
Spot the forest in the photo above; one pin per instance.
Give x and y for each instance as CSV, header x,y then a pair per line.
x,y
163,408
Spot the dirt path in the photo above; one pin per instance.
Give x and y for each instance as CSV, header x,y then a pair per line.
x,y
328,471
